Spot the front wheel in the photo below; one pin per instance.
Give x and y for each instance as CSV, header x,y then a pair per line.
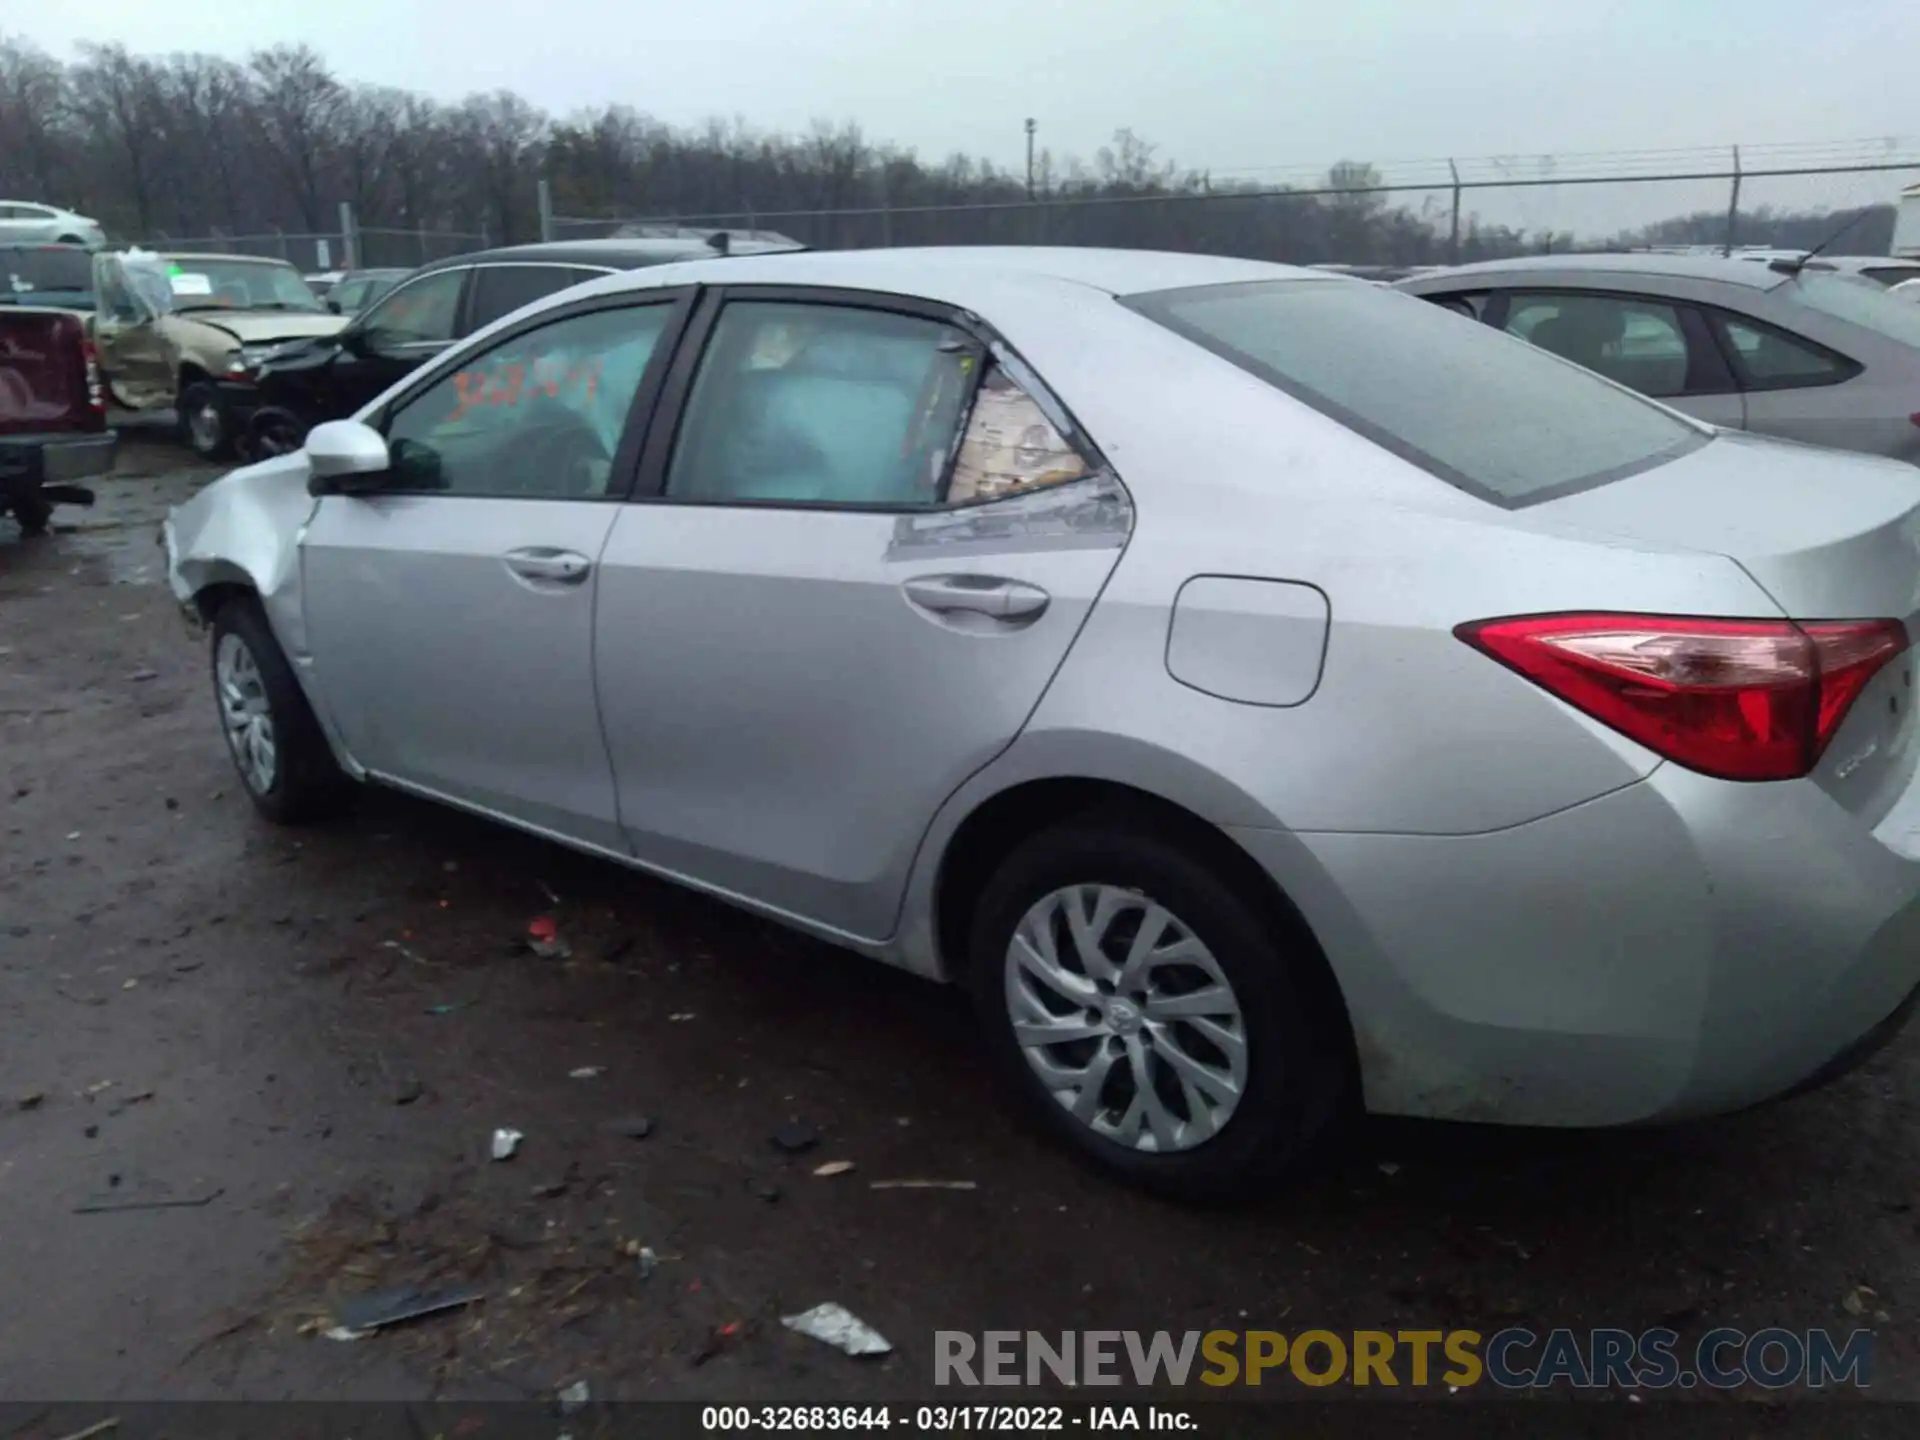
x,y
276,743
34,515
203,421
1155,1017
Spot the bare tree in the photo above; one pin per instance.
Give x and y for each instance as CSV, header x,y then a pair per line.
x,y
299,104
117,96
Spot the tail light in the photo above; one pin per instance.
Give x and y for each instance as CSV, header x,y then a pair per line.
x,y
1736,699
96,388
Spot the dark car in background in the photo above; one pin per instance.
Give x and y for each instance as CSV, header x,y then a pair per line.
x,y
56,275
330,377
357,289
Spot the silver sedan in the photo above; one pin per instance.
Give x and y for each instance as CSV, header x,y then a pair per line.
x,y
1817,356
1267,695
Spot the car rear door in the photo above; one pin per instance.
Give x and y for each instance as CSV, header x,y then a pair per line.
x,y
822,612
450,614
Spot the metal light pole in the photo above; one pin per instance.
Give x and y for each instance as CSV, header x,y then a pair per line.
x,y
1031,127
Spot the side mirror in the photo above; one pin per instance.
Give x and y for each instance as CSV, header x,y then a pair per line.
x,y
356,340
345,457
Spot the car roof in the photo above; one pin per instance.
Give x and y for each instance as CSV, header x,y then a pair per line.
x,y
622,254
948,271
1730,271
201,258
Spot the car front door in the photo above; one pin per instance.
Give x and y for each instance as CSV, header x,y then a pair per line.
x,y
414,323
836,596
449,614
1656,345
134,356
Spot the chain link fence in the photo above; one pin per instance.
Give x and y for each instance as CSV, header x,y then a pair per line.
x,y
1421,213
351,247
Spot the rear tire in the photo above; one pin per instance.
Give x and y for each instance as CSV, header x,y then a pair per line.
x,y
204,424
1206,1125
34,515
277,746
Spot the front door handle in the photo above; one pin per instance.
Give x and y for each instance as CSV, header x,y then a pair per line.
x,y
978,594
556,567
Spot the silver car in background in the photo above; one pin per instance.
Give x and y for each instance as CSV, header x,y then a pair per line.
x,y
28,220
1809,355
1265,693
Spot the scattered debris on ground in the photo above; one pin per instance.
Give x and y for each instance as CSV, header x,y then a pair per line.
x,y
795,1138
506,1143
832,1168
105,1204
839,1327
377,1309
924,1185
544,939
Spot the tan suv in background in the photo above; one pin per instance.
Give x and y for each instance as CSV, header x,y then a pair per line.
x,y
170,328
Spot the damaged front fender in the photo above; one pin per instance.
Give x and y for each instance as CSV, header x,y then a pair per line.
x,y
244,530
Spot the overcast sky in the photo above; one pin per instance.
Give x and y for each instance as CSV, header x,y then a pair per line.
x,y
1231,85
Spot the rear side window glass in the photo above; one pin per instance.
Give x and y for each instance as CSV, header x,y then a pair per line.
x,y
47,272
1502,421
1772,359
502,289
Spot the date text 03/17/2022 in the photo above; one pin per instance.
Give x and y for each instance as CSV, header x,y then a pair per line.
x,y
943,1419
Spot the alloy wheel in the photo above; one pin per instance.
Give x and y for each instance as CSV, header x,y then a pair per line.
x,y
1126,1018
246,714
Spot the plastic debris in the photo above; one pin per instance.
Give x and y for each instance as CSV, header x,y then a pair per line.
x,y
839,1327
341,1332
629,1127
832,1168
682,1015
1389,1167
543,939
379,1308
573,1396
646,1261
795,1138
586,1072
506,1143
106,1204
99,1427
1864,1300
924,1185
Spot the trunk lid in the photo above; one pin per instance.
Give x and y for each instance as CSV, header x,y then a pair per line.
x,y
43,373
1828,534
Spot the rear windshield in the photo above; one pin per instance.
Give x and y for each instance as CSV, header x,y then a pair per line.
x,y
45,275
1485,412
1859,302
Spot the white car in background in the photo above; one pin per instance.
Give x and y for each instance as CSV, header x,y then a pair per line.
x,y
31,221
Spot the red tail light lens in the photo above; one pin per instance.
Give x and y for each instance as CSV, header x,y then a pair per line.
x,y
1736,699
96,389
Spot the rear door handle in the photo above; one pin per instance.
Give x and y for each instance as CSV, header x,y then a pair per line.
x,y
556,567
978,594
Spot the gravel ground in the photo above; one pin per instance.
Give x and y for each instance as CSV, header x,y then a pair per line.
x,y
304,1040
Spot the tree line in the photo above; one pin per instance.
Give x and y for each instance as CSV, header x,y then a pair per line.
x,y
192,146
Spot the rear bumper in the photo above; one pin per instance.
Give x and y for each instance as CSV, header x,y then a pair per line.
x,y
35,465
1680,947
